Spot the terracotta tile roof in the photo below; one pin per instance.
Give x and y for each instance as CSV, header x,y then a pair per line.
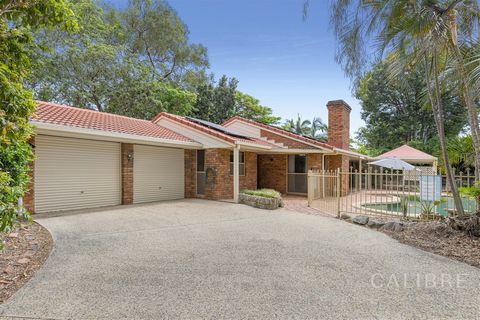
x,y
215,133
58,114
280,131
407,152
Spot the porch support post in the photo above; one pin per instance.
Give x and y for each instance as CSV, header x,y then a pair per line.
x,y
236,173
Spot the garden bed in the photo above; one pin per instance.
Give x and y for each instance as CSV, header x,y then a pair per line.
x,y
26,249
437,237
263,198
456,238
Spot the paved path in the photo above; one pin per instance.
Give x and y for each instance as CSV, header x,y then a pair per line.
x,y
202,259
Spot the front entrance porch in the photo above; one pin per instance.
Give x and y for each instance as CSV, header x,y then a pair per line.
x,y
211,173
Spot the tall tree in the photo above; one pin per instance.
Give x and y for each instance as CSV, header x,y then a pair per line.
x,y
141,53
155,33
216,101
394,111
407,32
248,107
460,22
17,21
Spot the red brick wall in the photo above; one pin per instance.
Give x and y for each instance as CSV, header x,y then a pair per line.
x,y
220,186
286,141
314,161
249,181
342,162
272,172
190,173
217,186
339,124
127,173
29,197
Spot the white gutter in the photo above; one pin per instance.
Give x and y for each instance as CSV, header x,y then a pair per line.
x,y
432,159
75,132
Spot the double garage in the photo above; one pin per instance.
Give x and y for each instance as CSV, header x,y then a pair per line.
x,y
72,173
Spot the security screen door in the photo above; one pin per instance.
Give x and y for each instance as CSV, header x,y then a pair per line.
x,y
297,173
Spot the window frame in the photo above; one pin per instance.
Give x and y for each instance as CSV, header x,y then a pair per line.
x,y
239,164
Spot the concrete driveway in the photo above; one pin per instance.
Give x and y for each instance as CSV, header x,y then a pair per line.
x,y
205,259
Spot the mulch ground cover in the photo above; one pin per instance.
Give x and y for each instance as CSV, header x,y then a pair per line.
x,y
26,249
437,237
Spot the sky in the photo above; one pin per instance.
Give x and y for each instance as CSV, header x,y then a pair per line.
x,y
285,62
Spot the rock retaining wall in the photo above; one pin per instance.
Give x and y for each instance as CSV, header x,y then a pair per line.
x,y
260,202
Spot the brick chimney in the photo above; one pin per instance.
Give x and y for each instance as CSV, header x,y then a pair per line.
x,y
339,124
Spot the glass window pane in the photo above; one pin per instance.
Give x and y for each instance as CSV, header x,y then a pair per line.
x,y
291,163
231,168
200,183
291,183
300,183
201,160
241,157
300,164
242,169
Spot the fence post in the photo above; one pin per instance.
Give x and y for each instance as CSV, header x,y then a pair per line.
x,y
310,187
339,188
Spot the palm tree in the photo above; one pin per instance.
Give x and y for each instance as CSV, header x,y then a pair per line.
x,y
298,126
406,33
318,130
461,19
461,151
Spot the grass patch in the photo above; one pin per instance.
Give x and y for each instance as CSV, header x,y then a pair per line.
x,y
265,193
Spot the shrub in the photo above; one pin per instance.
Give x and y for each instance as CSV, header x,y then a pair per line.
x,y
265,193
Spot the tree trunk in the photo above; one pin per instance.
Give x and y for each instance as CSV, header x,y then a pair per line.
x,y
471,108
438,115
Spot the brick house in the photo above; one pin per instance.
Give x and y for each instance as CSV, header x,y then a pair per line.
x,y
90,159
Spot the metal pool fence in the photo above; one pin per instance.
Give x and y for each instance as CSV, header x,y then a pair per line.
x,y
414,195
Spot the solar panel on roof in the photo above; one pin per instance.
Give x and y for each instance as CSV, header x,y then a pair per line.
x,y
217,127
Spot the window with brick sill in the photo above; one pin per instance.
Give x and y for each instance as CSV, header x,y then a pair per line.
x,y
241,164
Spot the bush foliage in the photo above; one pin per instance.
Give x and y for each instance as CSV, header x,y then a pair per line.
x,y
18,19
266,193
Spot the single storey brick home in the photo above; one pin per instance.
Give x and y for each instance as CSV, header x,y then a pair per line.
x,y
87,159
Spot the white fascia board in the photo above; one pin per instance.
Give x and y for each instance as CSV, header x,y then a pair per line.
x,y
83,133
255,146
414,159
284,135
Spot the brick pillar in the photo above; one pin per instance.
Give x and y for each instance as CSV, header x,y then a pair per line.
x,y
127,173
29,196
333,162
339,124
190,173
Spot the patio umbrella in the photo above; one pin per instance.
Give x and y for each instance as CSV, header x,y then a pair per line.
x,y
393,164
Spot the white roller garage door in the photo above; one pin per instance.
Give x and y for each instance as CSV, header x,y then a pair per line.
x,y
76,173
158,174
